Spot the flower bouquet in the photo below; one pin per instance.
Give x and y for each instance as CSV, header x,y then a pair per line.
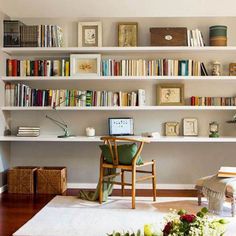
x,y
183,224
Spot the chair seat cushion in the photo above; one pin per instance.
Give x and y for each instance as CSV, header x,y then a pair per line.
x,y
126,154
230,187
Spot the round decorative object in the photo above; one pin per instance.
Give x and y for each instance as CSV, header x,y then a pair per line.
x,y
90,132
216,68
218,35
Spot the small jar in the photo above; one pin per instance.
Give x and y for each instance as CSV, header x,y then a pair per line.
x,y
90,132
216,68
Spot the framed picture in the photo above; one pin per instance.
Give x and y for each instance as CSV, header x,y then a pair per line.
x,y
170,94
128,34
190,127
171,128
90,34
85,64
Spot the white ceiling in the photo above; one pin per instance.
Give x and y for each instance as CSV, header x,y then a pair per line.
x,y
117,8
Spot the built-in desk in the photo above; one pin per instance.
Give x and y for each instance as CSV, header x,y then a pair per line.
x,y
162,139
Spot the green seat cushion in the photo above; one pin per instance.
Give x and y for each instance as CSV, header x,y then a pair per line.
x,y
126,153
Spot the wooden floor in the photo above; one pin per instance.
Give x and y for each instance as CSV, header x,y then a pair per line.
x,y
17,209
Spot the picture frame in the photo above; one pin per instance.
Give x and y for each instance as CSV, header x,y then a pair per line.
x,y
172,129
232,69
85,64
190,127
170,94
127,34
90,34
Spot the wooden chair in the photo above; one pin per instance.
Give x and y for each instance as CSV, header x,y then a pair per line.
x,y
112,141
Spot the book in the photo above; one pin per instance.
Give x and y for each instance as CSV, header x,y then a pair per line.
x,y
226,171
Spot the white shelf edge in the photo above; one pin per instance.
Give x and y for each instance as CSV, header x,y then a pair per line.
x,y
140,49
51,138
115,78
136,108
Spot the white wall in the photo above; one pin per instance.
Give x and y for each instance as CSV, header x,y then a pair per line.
x,y
177,163
4,147
121,8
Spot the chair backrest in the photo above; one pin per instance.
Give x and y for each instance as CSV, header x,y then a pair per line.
x,y
111,141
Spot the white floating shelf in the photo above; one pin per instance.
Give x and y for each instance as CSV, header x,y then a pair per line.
x,y
112,50
117,78
53,138
133,108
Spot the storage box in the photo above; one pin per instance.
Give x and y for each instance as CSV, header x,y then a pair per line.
x,y
169,36
21,179
12,33
51,180
218,35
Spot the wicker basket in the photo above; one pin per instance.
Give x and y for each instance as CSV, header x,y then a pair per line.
x,y
21,179
51,180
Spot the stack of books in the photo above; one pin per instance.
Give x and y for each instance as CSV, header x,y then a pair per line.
x,y
157,67
28,131
59,67
195,38
23,96
41,36
212,101
226,171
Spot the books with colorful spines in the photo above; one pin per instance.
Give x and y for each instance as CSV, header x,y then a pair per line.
x,y
89,95
226,171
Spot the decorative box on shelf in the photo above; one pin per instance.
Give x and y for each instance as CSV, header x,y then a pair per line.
x,y
21,179
51,180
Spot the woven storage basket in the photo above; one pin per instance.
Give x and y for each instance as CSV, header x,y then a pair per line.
x,y
51,180
21,179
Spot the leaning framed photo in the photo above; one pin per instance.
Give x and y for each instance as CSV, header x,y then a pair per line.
x,y
85,64
171,128
128,34
170,95
190,127
90,34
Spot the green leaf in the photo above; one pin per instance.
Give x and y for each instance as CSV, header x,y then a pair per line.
x,y
204,210
182,212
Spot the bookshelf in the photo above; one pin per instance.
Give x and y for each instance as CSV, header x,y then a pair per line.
x,y
118,78
115,50
124,108
186,157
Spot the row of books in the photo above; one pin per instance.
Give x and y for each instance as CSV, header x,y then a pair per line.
x,y
60,67
195,38
22,95
159,67
212,101
41,36
28,131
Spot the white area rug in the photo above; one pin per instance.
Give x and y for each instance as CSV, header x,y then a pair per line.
x,y
69,216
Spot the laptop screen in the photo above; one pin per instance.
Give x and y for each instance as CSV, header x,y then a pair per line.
x,y
121,126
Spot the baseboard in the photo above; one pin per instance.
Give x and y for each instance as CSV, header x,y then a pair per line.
x,y
139,186
3,189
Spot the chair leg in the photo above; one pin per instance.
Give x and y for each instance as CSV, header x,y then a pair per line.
x,y
154,180
133,186
233,205
199,197
122,181
101,185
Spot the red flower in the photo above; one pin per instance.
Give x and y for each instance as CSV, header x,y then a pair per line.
x,y
168,227
188,217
